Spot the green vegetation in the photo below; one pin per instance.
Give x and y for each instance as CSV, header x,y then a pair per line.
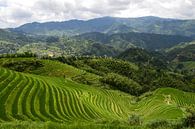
x,y
182,59
44,93
122,83
148,76
143,57
54,99
50,68
52,125
86,44
182,52
8,47
123,41
38,98
18,37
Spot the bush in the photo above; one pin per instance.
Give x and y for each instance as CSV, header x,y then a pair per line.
x,y
189,121
23,65
135,120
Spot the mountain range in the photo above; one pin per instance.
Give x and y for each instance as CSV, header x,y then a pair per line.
x,y
112,25
100,36
104,73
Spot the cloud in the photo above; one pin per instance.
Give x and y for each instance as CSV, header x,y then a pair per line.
x,y
19,13
16,12
3,3
173,8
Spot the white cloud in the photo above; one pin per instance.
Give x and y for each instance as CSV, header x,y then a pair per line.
x,y
16,12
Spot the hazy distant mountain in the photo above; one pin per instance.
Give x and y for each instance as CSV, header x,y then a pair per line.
x,y
109,35
19,37
113,25
92,43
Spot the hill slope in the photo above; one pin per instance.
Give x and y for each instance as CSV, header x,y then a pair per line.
x,y
123,41
30,97
49,68
182,52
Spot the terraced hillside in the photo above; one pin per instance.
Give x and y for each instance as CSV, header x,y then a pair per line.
x,y
29,97
165,103
49,68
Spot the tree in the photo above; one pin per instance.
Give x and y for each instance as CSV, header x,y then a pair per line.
x,y
122,83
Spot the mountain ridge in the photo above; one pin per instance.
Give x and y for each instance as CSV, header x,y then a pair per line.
x,y
148,24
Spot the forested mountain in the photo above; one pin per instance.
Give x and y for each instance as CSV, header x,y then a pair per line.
x,y
142,40
19,37
11,41
143,57
94,43
182,52
14,42
113,25
101,36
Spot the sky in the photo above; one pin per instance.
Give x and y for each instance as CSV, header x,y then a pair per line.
x,y
14,13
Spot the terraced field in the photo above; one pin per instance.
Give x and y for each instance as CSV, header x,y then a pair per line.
x,y
49,68
29,97
165,103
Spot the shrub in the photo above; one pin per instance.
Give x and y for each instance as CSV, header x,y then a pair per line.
x,y
135,120
158,124
23,65
189,121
